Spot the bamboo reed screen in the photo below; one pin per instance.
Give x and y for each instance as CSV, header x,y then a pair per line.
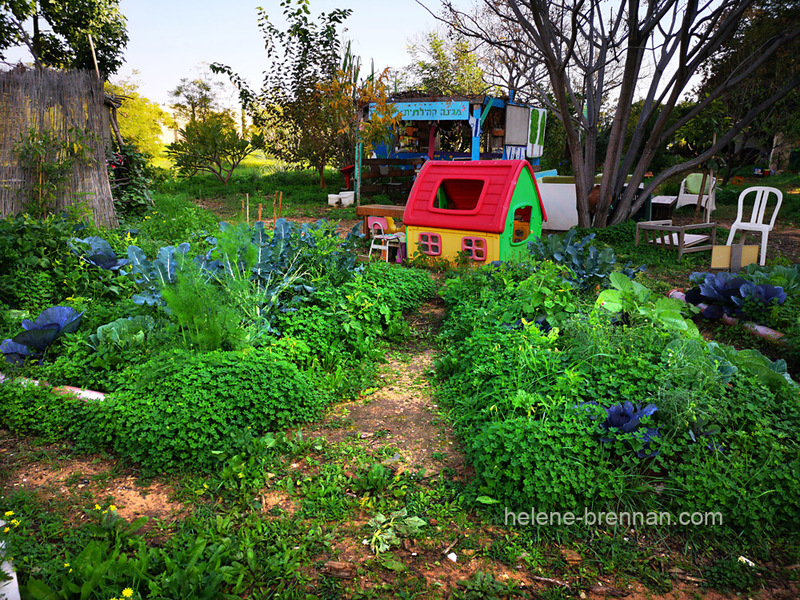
x,y
54,101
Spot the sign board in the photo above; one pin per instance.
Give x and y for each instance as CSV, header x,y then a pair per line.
x,y
525,126
537,128
514,152
517,125
733,257
457,110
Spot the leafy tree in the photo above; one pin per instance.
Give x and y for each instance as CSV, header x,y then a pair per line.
x,y
140,119
348,96
196,99
212,146
598,57
57,32
779,123
446,70
290,108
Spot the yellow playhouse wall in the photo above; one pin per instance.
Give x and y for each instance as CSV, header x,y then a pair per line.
x,y
451,242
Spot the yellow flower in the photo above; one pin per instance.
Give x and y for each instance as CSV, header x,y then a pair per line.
x,y
112,508
97,507
9,513
6,530
66,565
127,592
15,522
105,511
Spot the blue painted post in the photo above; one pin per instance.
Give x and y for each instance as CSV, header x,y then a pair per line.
x,y
476,139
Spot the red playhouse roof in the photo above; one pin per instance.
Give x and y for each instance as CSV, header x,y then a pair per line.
x,y
490,182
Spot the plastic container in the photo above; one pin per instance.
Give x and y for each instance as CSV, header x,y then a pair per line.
x,y
347,198
334,199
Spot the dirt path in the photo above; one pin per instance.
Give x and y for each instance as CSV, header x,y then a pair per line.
x,y
402,413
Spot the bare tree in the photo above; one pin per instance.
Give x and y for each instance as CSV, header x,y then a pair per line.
x,y
658,45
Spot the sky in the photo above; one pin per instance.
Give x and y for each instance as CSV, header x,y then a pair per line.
x,y
170,39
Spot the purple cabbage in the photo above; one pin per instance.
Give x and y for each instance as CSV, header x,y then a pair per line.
x,y
626,418
721,287
13,352
51,324
725,294
763,293
98,252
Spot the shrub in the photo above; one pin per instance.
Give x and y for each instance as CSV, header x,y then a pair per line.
x,y
534,410
35,409
179,408
36,261
130,177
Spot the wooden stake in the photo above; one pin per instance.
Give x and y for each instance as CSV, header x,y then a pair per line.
x,y
280,202
242,205
259,211
248,208
275,208
94,56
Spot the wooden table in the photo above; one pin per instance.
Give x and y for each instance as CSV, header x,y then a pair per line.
x,y
379,210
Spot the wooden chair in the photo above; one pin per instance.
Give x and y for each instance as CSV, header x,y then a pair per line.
x,y
664,234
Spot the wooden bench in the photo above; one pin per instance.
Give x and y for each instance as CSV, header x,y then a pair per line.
x,y
664,234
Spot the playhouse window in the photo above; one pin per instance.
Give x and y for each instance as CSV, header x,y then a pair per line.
x,y
430,243
474,247
458,194
522,224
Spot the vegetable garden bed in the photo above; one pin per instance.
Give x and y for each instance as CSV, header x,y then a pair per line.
x,y
572,387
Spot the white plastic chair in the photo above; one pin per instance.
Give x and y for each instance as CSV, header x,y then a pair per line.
x,y
756,222
380,239
690,188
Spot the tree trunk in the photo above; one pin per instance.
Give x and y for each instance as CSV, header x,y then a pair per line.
x,y
322,183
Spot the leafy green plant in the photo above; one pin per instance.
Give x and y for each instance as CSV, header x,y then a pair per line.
x,y
590,267
176,410
387,531
206,321
482,586
732,574
115,341
785,277
37,267
632,300
131,178
546,293
48,161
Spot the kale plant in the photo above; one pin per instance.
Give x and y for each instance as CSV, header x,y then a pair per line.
x,y
591,267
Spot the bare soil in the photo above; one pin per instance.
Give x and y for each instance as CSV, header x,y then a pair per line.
x,y
402,413
83,482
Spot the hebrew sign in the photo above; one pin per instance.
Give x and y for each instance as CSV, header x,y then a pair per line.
x,y
431,111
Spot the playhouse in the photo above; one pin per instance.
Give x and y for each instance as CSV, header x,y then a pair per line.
x,y
486,209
